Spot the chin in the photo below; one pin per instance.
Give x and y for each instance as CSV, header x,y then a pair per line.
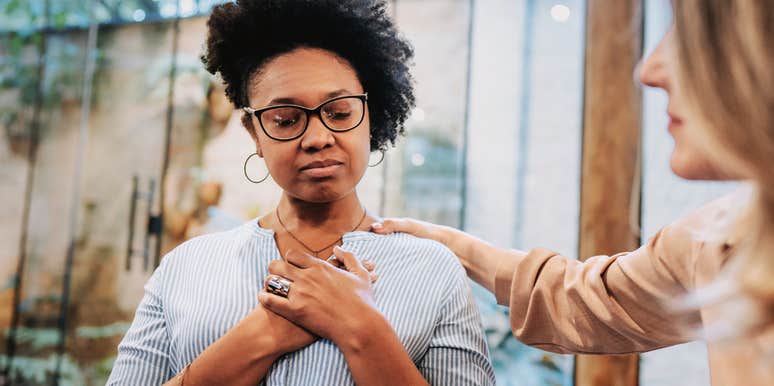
x,y
320,193
685,172
694,168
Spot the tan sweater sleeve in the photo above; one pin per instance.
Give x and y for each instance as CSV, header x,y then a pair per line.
x,y
606,304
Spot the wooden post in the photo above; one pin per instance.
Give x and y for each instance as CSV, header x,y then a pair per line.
x,y
610,179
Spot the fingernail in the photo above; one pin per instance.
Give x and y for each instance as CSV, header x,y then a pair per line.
x,y
377,225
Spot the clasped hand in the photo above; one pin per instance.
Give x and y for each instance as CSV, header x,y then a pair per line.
x,y
326,299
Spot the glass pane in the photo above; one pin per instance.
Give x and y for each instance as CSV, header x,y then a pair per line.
x,y
428,162
126,141
524,152
665,197
19,85
47,242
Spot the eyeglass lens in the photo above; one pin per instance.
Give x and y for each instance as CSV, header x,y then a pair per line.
x,y
288,122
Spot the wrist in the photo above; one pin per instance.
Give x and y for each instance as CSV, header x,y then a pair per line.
x,y
479,258
266,345
361,332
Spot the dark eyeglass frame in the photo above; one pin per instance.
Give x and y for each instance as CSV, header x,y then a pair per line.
x,y
317,110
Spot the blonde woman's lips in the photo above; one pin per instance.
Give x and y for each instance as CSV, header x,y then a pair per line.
x,y
674,123
674,120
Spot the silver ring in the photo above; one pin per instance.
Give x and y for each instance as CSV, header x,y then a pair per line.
x,y
279,286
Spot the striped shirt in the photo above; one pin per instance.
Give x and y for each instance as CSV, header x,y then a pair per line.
x,y
206,285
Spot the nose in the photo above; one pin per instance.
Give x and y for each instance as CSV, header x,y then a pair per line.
x,y
653,70
317,136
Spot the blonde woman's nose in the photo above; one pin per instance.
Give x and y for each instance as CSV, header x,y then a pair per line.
x,y
654,69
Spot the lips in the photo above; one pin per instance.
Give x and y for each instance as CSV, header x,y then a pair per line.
x,y
321,164
674,120
321,169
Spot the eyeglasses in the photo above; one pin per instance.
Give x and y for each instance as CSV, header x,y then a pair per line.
x,y
288,122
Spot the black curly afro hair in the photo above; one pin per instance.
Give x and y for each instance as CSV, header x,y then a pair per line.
x,y
245,35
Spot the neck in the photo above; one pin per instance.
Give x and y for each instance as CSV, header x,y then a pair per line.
x,y
338,216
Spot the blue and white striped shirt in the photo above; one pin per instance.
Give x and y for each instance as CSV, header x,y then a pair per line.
x,y
206,285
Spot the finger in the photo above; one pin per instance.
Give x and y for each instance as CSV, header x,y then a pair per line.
x,y
381,228
300,259
367,264
392,225
276,304
351,263
335,262
284,269
374,277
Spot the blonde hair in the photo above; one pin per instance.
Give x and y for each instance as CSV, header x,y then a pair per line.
x,y
725,56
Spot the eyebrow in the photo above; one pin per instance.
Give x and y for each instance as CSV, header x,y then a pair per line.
x,y
294,101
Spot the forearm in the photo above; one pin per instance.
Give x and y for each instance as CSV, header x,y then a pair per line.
x,y
241,357
480,258
377,357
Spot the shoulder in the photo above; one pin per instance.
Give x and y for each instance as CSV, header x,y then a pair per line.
x,y
707,234
207,247
425,255
714,221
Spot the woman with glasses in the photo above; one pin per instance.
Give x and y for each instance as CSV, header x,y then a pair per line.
x,y
716,67
288,298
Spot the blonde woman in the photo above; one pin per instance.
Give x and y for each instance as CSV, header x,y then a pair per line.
x,y
716,67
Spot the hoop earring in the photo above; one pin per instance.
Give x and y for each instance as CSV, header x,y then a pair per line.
x,y
380,160
248,177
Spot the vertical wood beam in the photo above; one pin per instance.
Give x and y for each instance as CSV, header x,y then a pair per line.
x,y
611,164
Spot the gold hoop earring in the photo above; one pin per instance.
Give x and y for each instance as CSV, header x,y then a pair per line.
x,y
380,160
248,177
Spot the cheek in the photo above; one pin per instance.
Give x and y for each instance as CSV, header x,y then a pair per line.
x,y
359,151
278,160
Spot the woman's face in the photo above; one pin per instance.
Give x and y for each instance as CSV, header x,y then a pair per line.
x,y
321,165
689,159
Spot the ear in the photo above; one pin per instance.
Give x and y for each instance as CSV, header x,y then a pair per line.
x,y
247,122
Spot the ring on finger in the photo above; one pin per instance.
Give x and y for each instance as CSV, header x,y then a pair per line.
x,y
279,286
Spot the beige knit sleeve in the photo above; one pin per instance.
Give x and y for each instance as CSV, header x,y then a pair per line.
x,y
606,304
